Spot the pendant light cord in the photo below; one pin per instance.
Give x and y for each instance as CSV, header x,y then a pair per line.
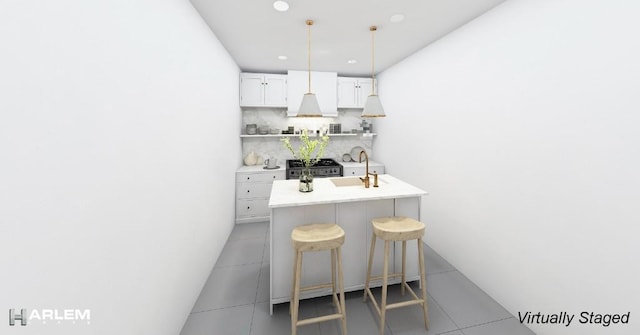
x,y
373,73
309,23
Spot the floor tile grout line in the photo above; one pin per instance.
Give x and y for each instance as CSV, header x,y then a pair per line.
x,y
440,272
218,309
255,237
450,332
244,238
255,301
439,305
235,265
262,264
486,323
260,273
442,308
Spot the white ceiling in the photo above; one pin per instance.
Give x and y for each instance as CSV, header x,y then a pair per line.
x,y
255,34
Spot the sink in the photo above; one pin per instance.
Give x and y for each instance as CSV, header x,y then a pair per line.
x,y
353,181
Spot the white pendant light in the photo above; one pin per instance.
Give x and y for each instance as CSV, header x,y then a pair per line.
x,y
373,107
309,106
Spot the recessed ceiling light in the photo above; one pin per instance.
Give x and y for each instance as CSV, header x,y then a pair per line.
x,y
395,18
283,57
352,61
281,6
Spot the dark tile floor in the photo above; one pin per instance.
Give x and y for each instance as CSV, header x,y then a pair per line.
x,y
235,300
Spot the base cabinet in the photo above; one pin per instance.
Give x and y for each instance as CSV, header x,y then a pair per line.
x,y
355,218
252,194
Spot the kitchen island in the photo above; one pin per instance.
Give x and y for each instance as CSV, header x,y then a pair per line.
x,y
346,202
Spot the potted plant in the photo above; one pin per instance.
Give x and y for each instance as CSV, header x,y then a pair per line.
x,y
305,153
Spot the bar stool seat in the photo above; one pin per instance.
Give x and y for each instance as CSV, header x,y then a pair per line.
x,y
397,228
318,237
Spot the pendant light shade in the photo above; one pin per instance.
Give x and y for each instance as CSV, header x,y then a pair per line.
x,y
309,106
373,107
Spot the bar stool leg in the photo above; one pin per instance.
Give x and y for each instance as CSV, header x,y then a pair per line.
x,y
383,305
423,283
343,308
371,251
296,294
293,280
333,272
404,262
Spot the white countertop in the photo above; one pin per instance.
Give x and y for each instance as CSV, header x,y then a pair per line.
x,y
285,193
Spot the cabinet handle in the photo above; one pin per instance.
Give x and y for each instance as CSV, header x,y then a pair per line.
x,y
248,207
248,178
248,191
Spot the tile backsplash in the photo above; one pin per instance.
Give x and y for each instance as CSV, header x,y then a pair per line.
x,y
271,147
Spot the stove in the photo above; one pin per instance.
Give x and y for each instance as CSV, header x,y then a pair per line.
x,y
325,167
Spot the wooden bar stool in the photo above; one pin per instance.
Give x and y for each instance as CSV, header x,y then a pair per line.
x,y
317,237
398,228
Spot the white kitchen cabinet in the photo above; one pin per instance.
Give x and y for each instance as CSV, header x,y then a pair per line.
x,y
253,188
353,92
323,85
263,90
358,169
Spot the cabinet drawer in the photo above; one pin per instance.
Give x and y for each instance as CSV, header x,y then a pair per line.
x,y
252,207
260,176
360,171
379,169
253,190
348,172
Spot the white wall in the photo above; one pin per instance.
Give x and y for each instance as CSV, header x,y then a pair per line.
x,y
118,146
523,126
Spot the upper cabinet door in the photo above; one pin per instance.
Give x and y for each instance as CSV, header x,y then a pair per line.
x,y
353,92
251,89
365,86
347,92
275,93
263,90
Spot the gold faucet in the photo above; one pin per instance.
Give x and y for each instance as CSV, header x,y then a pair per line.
x,y
366,176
